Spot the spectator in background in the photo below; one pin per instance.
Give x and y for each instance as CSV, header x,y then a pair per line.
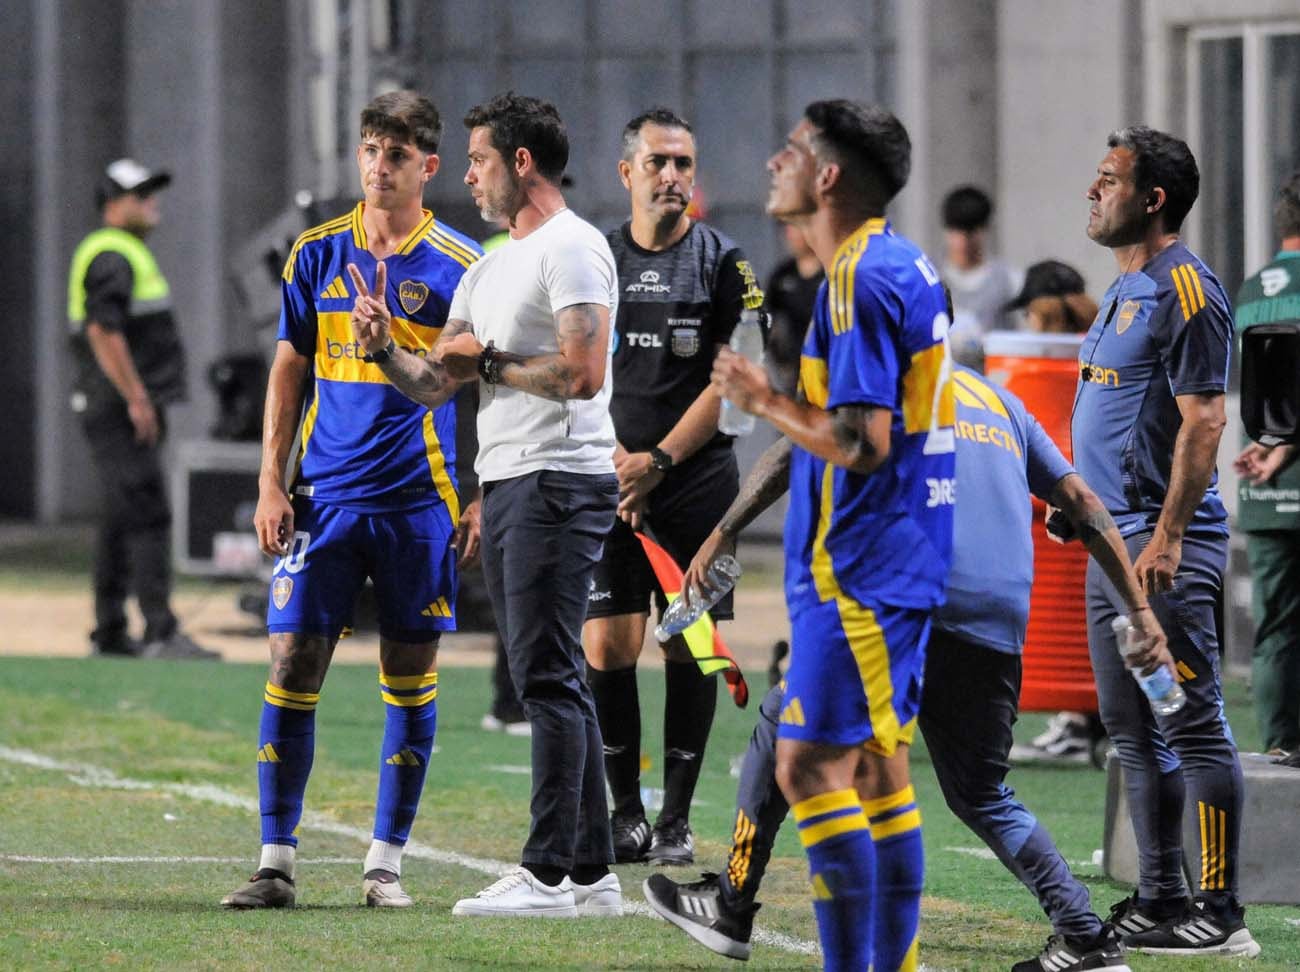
x,y
1054,300
1267,509
981,285
131,365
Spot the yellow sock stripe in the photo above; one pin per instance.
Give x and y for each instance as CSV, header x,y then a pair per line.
x,y
816,833
400,682
301,701
409,701
911,820
911,961
826,803
873,808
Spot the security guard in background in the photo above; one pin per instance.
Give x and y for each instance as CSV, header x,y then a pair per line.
x,y
130,367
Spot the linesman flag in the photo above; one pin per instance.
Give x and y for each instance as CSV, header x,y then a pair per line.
x,y
706,644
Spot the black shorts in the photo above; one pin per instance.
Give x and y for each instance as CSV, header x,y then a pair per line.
x,y
682,512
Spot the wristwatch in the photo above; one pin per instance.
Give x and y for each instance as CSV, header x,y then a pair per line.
x,y
490,364
660,460
382,355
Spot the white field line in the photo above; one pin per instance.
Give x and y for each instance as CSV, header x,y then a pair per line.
x,y
109,859
983,853
98,777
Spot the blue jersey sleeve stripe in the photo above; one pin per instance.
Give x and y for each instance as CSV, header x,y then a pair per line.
x,y
310,236
1184,295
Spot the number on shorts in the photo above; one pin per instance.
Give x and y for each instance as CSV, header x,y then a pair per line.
x,y
293,561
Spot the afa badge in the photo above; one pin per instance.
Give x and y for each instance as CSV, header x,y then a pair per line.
x,y
281,591
412,295
685,342
1127,311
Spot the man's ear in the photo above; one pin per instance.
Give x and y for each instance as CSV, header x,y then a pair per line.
x,y
828,177
1156,199
625,173
523,161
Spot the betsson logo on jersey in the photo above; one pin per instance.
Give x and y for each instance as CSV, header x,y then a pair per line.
x,y
649,284
352,350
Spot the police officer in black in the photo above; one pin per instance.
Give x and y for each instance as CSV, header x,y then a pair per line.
x,y
130,367
682,288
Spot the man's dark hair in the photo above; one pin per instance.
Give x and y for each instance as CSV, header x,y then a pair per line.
x,y
404,115
518,121
658,115
1161,160
1286,212
967,208
866,140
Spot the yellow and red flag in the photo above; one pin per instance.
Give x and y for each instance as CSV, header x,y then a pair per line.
x,y
702,638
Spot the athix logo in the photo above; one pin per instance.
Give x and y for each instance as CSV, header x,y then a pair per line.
x,y
649,284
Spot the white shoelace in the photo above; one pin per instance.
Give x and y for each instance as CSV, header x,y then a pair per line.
x,y
506,884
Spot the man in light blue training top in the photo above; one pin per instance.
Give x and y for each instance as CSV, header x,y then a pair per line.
x,y
1148,415
972,681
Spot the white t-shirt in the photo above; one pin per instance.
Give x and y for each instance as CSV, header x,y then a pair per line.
x,y
510,297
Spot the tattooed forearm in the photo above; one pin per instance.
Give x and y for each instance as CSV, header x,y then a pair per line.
x,y
849,427
577,370
764,485
1093,525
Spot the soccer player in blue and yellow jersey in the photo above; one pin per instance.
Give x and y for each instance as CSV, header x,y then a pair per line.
x,y
373,494
1148,415
869,530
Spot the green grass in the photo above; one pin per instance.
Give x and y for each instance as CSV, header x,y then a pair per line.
x,y
168,724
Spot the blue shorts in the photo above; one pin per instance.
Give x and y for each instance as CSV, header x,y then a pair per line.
x,y
855,674
408,555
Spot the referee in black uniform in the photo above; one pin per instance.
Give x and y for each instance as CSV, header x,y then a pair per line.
x,y
683,286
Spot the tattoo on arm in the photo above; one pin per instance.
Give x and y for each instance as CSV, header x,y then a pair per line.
x,y
764,485
1094,524
563,375
849,427
421,378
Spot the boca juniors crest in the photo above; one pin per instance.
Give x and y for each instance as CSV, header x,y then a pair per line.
x,y
412,294
281,591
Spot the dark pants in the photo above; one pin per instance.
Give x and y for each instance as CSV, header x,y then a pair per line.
x,y
968,707
1275,663
133,546
1188,756
542,535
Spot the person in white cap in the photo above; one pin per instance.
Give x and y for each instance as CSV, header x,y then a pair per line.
x,y
131,366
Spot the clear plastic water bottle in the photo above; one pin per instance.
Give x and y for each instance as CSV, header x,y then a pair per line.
x,y
687,609
746,341
1161,688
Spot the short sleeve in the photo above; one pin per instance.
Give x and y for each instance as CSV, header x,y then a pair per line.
x,y
1045,466
460,302
735,280
580,270
298,305
862,355
108,290
1193,336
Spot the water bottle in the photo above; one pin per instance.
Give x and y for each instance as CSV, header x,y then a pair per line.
x,y
687,609
746,341
1162,689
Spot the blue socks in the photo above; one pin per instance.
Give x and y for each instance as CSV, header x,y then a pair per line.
x,y
286,746
410,718
900,872
841,861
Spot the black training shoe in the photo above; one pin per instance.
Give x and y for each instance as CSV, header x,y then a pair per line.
x,y
268,888
1104,953
631,835
672,843
700,910
1202,930
1132,917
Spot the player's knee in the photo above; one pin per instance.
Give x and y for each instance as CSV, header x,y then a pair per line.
x,y
299,662
799,777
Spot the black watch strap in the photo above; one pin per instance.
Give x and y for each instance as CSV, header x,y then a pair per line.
x,y
660,460
489,364
382,355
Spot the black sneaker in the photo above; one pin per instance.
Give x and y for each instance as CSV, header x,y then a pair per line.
x,y
672,843
1201,930
268,888
1104,953
631,835
700,910
1132,917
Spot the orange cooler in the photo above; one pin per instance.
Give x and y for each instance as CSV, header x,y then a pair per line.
x,y
1041,369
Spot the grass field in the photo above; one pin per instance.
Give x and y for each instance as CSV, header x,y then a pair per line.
x,y
127,807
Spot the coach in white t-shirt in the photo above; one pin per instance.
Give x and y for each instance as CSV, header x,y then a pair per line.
x,y
531,321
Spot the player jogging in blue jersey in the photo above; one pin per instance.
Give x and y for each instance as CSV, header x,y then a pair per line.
x,y
1148,414
972,681
869,530
373,494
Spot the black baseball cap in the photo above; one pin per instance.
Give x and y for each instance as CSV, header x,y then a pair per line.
x,y
128,175
1050,278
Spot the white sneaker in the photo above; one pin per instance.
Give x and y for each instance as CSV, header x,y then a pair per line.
x,y
385,892
604,899
519,894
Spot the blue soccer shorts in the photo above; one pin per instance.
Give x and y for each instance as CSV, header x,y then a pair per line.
x,y
408,555
855,674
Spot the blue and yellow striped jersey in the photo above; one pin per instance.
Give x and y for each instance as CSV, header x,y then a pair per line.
x,y
878,338
366,446
1162,331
